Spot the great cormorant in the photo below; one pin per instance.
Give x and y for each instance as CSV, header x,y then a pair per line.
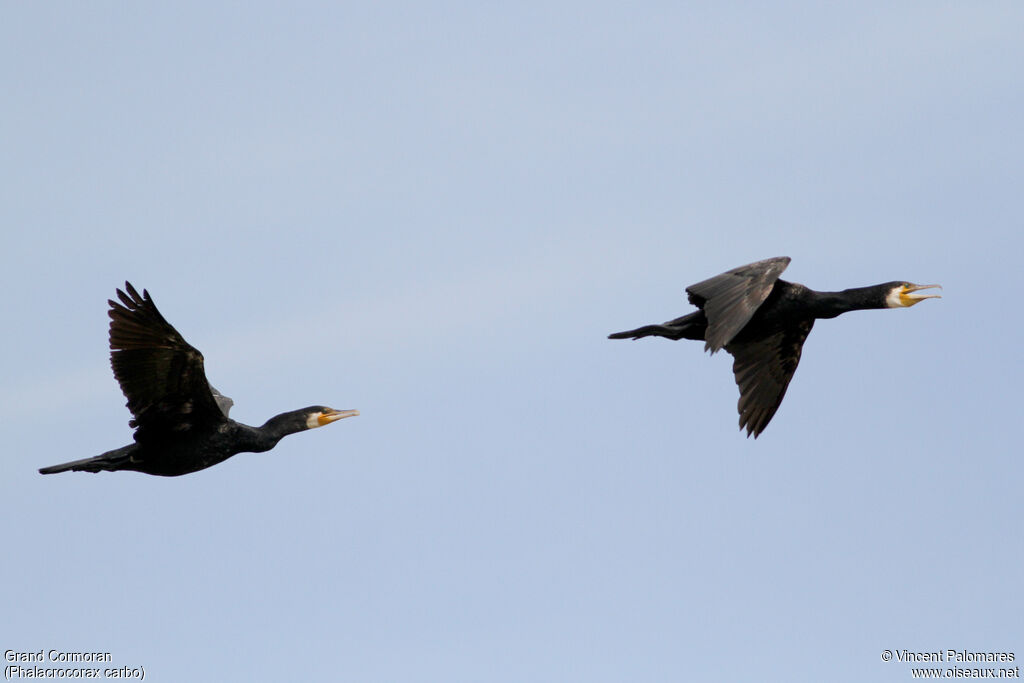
x,y
763,322
181,422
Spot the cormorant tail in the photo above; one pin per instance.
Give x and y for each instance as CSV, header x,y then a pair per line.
x,y
645,331
690,326
109,461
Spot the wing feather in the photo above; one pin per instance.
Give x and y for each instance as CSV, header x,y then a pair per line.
x,y
763,370
730,299
160,373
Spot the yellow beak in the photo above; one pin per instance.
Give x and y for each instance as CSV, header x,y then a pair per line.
x,y
909,298
333,415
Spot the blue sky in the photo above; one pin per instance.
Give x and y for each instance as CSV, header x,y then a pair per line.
x,y
435,214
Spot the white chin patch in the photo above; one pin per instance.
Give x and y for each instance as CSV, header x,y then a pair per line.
x,y
892,299
313,420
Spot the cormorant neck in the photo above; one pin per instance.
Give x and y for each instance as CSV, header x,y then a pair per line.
x,y
831,304
265,437
284,424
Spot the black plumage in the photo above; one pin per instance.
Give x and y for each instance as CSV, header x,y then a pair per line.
x,y
181,422
763,322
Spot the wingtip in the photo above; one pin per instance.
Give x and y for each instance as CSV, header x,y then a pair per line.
x,y
125,296
130,298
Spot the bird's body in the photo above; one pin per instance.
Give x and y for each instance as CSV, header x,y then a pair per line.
x,y
189,452
181,422
763,322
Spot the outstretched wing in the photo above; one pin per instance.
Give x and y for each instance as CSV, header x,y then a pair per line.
x,y
730,299
763,369
160,373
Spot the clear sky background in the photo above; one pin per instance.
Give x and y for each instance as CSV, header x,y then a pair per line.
x,y
435,213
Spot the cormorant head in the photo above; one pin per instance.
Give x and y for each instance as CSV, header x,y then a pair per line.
x,y
318,416
904,294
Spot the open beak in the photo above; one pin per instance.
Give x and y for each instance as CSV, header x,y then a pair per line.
x,y
333,415
909,297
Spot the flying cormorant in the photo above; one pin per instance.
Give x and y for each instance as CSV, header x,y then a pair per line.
x,y
181,422
763,322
